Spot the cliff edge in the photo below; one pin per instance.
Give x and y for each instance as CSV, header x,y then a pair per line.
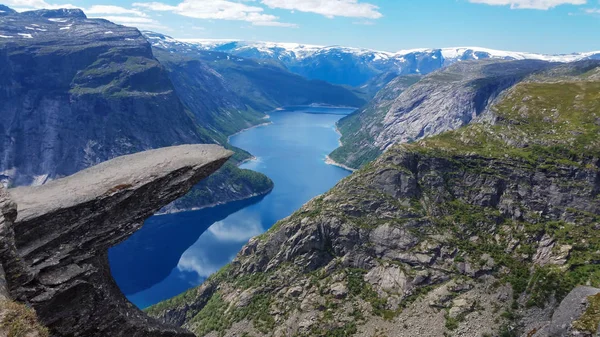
x,y
54,238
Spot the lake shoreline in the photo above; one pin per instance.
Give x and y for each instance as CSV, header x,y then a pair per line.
x,y
328,160
220,203
332,162
179,250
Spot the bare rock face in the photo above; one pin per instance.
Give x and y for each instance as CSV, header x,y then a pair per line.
x,y
442,101
570,309
63,230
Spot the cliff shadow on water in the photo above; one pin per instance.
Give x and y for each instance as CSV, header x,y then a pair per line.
x,y
162,243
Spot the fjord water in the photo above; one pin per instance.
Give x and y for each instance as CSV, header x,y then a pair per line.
x,y
175,252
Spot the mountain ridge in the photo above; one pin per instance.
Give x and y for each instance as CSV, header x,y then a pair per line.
x,y
448,52
357,66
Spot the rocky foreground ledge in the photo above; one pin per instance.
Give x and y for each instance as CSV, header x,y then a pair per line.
x,y
54,249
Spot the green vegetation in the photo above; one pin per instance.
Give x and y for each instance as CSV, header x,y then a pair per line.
x,y
357,147
358,287
218,315
545,124
189,296
228,183
19,320
550,128
591,317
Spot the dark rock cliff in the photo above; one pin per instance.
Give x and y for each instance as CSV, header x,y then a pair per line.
x,y
56,258
76,92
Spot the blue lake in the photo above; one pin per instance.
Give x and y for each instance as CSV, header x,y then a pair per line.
x,y
175,252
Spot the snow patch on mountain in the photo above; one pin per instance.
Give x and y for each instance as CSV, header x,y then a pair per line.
x,y
301,51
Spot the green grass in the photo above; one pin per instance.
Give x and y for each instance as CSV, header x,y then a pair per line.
x,y
20,321
545,124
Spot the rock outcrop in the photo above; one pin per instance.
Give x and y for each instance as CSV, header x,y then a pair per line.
x,y
479,231
56,260
444,100
77,91
569,312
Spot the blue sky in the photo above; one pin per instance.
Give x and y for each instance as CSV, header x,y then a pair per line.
x,y
542,26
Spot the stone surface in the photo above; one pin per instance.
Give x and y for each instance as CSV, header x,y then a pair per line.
x,y
443,100
570,310
64,228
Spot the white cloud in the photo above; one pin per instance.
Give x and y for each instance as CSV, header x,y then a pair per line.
x,y
197,263
217,10
329,8
134,21
241,231
113,10
530,4
27,5
275,24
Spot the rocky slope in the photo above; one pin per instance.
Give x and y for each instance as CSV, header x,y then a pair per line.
x,y
54,238
355,66
476,232
261,85
77,91
442,101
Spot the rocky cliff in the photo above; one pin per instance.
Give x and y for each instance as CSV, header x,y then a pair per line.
x,y
77,91
442,101
480,231
54,238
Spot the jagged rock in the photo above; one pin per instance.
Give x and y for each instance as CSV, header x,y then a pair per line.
x,y
338,290
63,230
460,306
388,279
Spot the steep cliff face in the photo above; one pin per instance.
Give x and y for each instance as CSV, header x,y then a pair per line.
x,y
56,257
444,100
479,231
76,92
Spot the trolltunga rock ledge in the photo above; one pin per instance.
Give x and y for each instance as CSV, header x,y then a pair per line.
x,y
63,229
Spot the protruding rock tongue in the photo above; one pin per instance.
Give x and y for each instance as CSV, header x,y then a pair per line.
x,y
64,228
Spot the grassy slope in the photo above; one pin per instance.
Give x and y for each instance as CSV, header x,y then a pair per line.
x,y
539,126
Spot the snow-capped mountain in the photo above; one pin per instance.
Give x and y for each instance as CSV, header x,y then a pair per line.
x,y
355,66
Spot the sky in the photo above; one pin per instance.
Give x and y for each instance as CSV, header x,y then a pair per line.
x,y
540,26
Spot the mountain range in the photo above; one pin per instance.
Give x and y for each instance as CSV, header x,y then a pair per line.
x,y
356,66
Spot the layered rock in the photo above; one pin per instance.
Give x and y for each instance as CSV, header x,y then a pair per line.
x,y
63,229
479,231
79,91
